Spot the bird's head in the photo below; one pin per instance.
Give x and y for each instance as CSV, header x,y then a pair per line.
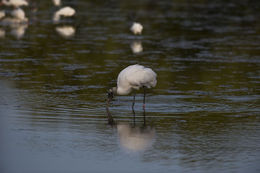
x,y
111,92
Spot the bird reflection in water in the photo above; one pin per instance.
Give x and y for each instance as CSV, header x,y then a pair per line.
x,y
2,33
134,139
65,31
18,22
136,47
18,31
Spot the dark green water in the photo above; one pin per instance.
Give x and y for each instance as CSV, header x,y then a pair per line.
x,y
203,115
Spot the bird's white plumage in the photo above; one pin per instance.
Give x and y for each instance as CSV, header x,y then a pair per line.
x,y
56,2
19,14
65,11
15,3
136,28
8,21
17,19
134,77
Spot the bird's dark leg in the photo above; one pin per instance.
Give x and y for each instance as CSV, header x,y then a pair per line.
x,y
144,104
144,117
144,97
133,104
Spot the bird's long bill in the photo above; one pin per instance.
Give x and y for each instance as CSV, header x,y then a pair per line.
x,y
109,116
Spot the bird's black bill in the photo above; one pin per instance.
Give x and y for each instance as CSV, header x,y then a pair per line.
x,y
110,95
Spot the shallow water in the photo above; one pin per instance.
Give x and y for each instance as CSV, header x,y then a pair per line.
x,y
202,116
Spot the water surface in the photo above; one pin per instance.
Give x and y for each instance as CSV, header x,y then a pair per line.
x,y
202,116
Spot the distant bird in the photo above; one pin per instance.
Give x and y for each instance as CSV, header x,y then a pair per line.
x,y
136,28
65,11
2,14
15,3
19,14
56,2
131,78
17,19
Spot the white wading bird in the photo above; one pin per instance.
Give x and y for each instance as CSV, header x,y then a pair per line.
x,y
131,78
17,19
136,28
19,14
65,11
15,3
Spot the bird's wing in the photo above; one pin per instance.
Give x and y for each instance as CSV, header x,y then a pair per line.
x,y
141,76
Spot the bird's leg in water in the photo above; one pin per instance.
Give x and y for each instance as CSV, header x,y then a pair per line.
x,y
109,116
144,105
133,104
144,97
144,117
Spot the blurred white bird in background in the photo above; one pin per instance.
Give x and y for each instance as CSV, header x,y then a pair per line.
x,y
56,2
19,14
2,33
18,18
2,14
65,12
66,31
136,47
131,78
136,28
15,3
18,22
